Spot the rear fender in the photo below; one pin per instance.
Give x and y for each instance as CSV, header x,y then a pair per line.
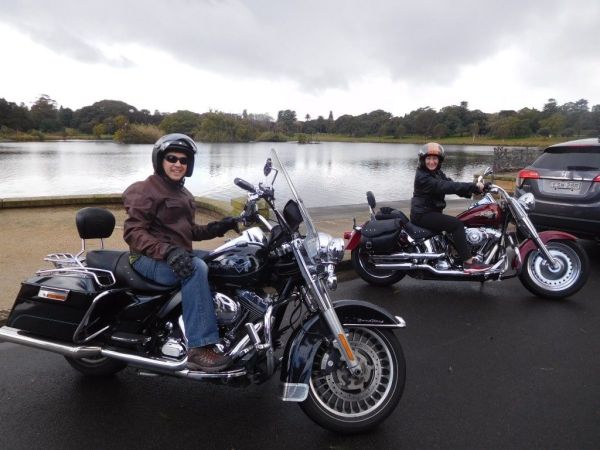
x,y
353,238
302,346
552,235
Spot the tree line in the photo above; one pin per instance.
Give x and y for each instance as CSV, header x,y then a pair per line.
x,y
125,123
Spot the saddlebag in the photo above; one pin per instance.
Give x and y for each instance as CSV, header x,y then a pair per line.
x,y
52,306
381,235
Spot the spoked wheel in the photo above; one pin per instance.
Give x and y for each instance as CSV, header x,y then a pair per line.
x,y
99,366
344,403
556,282
368,272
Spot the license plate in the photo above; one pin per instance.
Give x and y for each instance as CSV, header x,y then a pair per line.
x,y
566,185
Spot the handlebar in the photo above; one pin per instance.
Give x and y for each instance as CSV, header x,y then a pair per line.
x,y
244,185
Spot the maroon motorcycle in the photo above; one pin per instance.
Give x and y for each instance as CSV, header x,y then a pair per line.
x,y
550,264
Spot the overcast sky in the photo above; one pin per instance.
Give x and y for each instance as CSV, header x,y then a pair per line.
x,y
346,56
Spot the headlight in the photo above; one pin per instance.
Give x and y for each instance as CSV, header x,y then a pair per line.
x,y
527,201
330,250
335,250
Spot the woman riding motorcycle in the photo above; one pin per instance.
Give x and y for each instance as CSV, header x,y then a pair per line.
x,y
428,201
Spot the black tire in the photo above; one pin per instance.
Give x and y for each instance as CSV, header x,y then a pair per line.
x,y
341,403
574,268
370,274
96,366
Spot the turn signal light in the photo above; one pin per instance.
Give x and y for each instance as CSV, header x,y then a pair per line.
x,y
526,174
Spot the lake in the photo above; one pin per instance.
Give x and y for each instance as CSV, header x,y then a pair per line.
x,y
329,173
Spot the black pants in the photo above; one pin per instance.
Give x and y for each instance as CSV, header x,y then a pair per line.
x,y
436,221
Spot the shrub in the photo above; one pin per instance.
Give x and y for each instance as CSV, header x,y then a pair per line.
x,y
271,136
138,134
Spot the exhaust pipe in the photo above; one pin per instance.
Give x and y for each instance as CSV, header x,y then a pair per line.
x,y
159,365
17,336
395,256
410,266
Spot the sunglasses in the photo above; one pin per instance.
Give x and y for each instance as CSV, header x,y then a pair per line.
x,y
173,159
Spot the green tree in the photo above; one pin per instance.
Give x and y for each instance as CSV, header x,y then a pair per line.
x,y
99,130
85,118
182,121
286,121
14,117
553,125
44,114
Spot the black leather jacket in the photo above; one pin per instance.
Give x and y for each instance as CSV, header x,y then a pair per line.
x,y
431,188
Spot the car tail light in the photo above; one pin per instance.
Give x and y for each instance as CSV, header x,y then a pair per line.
x,y
597,179
526,174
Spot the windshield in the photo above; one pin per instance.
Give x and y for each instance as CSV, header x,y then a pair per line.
x,y
311,242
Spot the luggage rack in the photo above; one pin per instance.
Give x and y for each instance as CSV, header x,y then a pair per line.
x,y
70,265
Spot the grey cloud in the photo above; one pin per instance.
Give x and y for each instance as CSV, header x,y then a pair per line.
x,y
316,44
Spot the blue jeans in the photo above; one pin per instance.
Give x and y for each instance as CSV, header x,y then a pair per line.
x,y
199,316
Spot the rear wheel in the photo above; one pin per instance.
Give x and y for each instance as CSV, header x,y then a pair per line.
x,y
344,403
368,272
99,366
562,281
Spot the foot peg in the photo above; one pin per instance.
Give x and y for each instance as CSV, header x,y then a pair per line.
x,y
253,335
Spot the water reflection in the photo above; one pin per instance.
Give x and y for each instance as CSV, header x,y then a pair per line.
x,y
331,173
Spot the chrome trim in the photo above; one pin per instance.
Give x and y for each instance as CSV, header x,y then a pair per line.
x,y
17,336
70,265
401,323
145,362
411,266
394,256
84,272
331,318
294,392
176,368
198,376
86,318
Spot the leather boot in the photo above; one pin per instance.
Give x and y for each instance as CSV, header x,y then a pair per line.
x,y
207,359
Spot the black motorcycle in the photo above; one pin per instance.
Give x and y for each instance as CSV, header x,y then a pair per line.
x,y
339,360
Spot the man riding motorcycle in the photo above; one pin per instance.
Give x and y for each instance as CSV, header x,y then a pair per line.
x,y
160,228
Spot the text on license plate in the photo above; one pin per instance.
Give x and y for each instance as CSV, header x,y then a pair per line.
x,y
568,185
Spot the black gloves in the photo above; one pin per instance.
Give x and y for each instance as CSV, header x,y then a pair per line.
x,y
223,226
181,262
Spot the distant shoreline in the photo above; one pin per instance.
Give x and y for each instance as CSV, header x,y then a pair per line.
x,y
321,137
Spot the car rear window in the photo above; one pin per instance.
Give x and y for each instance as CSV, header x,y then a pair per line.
x,y
569,158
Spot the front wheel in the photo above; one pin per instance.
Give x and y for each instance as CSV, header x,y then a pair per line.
x,y
368,272
559,282
98,367
343,403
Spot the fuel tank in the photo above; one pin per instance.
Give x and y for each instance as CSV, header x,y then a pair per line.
x,y
482,215
240,261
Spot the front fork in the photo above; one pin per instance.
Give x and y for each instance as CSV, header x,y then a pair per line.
x,y
317,288
538,241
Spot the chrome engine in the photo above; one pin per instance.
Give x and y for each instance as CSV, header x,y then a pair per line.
x,y
482,239
231,310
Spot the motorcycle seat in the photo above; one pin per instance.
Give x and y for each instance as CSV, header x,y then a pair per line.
x,y
118,263
417,233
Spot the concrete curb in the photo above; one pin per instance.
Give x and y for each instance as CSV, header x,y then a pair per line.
x,y
208,204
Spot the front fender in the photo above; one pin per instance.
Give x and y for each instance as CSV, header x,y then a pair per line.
x,y
546,236
303,344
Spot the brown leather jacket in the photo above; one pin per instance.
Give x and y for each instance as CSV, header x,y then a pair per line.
x,y
161,217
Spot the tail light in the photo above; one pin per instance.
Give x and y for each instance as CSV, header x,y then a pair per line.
x,y
526,174
597,179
